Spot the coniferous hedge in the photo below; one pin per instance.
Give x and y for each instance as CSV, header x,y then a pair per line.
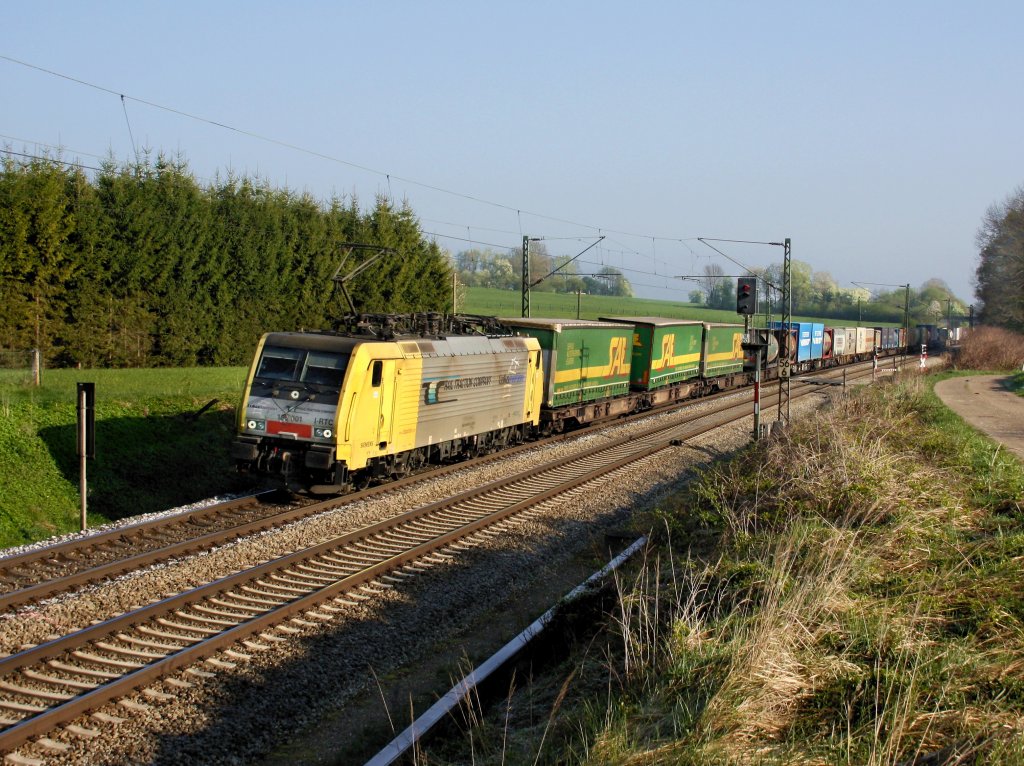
x,y
140,265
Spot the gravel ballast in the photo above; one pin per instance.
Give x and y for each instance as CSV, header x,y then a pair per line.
x,y
434,624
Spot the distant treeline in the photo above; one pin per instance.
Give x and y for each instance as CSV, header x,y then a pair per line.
x,y
140,265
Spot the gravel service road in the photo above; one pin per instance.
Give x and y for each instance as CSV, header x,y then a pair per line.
x,y
986,404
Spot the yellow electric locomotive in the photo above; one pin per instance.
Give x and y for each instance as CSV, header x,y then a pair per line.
x,y
330,411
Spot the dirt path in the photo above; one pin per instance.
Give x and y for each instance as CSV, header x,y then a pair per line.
x,y
986,404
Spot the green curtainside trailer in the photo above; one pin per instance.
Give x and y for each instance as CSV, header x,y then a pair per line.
x,y
723,349
665,351
583,360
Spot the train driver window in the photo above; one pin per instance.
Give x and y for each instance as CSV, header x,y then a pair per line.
x,y
378,374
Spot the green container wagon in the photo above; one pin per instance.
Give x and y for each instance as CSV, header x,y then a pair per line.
x,y
665,351
583,360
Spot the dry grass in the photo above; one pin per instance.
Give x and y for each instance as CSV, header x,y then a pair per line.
x,y
857,605
846,594
992,348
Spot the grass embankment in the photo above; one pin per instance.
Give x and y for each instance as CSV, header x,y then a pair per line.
x,y
152,452
850,593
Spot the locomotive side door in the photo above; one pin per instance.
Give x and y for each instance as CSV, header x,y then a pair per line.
x,y
382,381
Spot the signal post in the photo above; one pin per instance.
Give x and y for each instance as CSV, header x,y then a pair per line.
x,y
746,305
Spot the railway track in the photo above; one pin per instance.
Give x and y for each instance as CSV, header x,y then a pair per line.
x,y
47,572
225,621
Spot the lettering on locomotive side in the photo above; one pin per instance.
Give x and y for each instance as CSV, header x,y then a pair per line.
x,y
329,422
434,390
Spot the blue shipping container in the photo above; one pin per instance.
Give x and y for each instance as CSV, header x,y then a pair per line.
x,y
817,340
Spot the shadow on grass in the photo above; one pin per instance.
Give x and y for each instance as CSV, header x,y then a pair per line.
x,y
146,464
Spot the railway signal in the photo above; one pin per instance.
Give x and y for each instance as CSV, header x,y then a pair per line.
x,y
746,295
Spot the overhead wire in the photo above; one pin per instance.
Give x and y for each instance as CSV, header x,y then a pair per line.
x,y
387,176
319,154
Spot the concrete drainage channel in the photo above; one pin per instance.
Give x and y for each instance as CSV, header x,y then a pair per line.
x,y
402,747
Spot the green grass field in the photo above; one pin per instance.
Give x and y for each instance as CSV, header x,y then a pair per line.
x,y
508,303
152,451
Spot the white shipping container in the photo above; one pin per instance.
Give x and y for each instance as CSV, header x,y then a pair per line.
x,y
865,340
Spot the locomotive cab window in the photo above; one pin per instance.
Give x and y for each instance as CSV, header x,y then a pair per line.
x,y
378,374
315,368
325,369
279,363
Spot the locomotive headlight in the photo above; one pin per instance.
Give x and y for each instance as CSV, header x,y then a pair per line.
x,y
323,433
257,425
328,433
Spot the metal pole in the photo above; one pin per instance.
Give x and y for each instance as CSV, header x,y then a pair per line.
x,y
526,276
906,316
787,320
82,417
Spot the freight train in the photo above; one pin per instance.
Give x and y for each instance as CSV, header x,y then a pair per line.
x,y
327,412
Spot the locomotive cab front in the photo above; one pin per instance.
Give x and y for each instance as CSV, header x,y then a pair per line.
x,y
287,423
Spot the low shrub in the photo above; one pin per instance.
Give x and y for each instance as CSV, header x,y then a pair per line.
x,y
991,348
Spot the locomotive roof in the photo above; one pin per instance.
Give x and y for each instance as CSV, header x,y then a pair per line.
x,y
318,341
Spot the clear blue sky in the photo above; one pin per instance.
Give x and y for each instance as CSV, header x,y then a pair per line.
x,y
874,134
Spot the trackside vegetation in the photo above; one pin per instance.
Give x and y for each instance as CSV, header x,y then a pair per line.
x,y
847,593
154,449
141,265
